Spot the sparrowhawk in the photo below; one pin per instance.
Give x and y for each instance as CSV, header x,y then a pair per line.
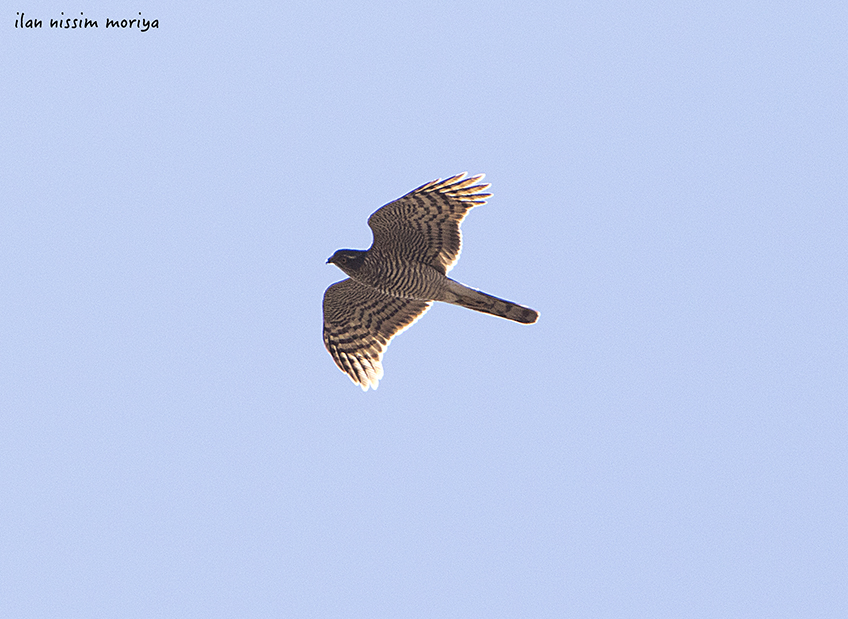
x,y
416,242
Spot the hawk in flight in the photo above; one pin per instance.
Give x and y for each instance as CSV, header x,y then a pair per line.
x,y
390,286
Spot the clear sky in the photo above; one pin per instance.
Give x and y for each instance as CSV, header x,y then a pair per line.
x,y
669,440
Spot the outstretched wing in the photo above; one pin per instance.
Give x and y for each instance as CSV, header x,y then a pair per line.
x,y
423,225
359,323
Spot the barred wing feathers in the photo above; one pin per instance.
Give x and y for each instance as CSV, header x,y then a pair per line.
x,y
424,224
359,323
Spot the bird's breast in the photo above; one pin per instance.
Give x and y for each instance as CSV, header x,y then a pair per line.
x,y
401,278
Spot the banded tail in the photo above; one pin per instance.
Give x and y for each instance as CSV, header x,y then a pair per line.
x,y
459,294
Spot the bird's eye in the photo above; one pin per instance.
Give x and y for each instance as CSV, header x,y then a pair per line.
x,y
342,259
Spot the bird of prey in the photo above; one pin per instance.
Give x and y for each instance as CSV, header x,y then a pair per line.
x,y
416,242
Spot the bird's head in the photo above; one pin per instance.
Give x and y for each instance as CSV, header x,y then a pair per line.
x,y
348,260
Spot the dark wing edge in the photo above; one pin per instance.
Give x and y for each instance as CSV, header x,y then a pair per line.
x,y
359,324
441,204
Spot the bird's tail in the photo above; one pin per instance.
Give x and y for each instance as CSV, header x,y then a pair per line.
x,y
459,294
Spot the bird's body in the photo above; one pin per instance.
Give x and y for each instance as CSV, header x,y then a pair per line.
x,y
398,277
416,242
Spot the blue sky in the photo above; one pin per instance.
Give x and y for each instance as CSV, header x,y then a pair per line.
x,y
669,192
